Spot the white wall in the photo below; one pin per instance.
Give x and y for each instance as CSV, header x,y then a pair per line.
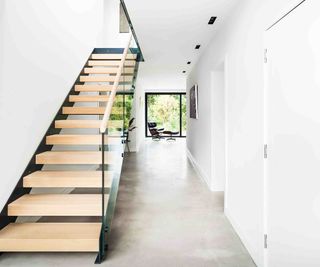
x,y
199,131
44,45
241,40
205,136
111,24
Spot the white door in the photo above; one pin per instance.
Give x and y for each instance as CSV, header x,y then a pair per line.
x,y
293,137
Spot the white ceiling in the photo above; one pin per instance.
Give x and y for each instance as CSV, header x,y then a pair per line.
x,y
169,30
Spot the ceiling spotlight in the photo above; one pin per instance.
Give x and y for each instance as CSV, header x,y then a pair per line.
x,y
189,62
184,71
197,47
212,20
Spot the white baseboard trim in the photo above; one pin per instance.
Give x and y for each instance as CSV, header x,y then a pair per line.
x,y
198,169
242,238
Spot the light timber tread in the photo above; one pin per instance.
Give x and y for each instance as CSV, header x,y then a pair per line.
x,y
57,205
99,88
77,139
128,63
50,237
88,98
62,179
104,78
90,110
112,56
76,157
108,70
86,124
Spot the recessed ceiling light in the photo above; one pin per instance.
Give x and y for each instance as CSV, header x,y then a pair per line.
x,y
197,47
212,20
189,62
184,71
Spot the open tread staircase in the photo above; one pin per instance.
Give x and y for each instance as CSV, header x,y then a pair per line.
x,y
98,76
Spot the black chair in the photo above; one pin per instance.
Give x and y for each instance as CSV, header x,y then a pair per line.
x,y
156,136
153,125
155,133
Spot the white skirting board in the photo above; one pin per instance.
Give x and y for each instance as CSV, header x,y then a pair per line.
x,y
198,169
204,177
253,252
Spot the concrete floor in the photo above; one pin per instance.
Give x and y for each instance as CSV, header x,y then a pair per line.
x,y
165,216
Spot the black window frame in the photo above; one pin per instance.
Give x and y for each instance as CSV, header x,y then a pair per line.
x,y
180,94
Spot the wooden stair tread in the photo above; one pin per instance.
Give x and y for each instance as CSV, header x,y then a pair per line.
x,y
57,179
95,124
99,88
104,78
77,139
57,205
76,157
90,110
88,98
50,237
127,63
108,70
113,56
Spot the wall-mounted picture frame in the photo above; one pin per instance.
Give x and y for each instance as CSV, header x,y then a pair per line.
x,y
194,102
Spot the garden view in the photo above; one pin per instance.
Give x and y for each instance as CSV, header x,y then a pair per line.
x,y
164,109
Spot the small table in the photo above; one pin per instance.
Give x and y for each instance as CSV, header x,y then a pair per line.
x,y
170,133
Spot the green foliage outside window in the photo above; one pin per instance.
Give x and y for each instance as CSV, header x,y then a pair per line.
x,y
165,111
127,100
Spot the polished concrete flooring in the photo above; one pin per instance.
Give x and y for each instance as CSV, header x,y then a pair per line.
x,y
165,216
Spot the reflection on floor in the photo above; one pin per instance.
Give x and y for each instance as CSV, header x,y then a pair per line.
x,y
165,216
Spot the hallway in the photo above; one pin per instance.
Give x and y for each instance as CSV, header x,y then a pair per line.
x,y
165,216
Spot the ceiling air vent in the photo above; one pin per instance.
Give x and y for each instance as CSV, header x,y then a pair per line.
x,y
212,20
197,47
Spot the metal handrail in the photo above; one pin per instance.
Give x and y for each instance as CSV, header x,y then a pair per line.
x,y
112,96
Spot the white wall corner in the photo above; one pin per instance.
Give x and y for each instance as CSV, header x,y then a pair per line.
x,y
199,170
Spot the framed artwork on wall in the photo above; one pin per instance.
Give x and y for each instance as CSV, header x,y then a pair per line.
x,y
194,102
